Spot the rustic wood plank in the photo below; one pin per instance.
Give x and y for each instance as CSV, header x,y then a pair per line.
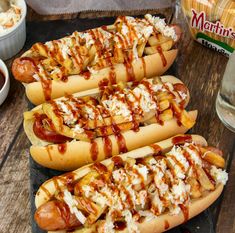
x,y
11,115
33,16
14,169
226,220
14,189
201,69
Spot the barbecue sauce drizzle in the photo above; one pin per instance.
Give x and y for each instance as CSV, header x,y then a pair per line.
x,y
46,82
68,179
48,152
164,61
182,139
64,212
62,148
100,49
97,36
117,132
144,66
167,225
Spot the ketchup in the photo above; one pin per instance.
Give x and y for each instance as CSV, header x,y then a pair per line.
x,y
185,211
103,83
99,167
164,61
69,180
156,148
94,150
2,79
167,224
181,139
62,148
63,210
144,66
31,60
87,75
119,225
118,162
107,147
129,71
45,134
46,191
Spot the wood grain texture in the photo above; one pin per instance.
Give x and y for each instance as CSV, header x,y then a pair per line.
x,y
14,189
226,221
200,68
11,116
33,16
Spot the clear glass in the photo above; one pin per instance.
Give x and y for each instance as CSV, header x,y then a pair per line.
x,y
225,102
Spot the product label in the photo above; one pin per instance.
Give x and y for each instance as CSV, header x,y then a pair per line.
x,y
199,21
214,44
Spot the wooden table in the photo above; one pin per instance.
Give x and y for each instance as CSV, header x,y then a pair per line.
x,y
201,69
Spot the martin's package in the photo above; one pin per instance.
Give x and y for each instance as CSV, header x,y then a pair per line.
x,y
212,23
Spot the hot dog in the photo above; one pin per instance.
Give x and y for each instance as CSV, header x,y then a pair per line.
x,y
103,122
151,189
128,50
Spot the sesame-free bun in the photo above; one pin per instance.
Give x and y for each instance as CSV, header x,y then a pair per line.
x,y
78,153
150,67
161,223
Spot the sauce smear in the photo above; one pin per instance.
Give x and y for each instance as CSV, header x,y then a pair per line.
x,y
46,191
64,211
185,211
167,224
94,151
48,152
119,225
46,86
62,148
120,139
178,140
159,49
144,66
121,143
99,167
107,146
87,75
129,71
118,162
112,75
156,149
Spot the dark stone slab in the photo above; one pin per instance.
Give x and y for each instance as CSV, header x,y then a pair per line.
x,y
44,31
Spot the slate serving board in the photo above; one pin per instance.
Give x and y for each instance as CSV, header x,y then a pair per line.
x,y
47,30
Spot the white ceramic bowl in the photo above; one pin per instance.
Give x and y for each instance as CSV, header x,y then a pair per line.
x,y
5,88
13,41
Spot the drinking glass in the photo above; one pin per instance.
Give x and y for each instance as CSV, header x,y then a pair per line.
x,y
225,102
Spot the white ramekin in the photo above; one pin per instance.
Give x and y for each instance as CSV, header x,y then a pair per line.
x,y
12,42
5,89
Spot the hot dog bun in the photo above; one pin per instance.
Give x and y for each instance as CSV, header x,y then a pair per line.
x,y
78,153
128,50
76,83
166,220
163,222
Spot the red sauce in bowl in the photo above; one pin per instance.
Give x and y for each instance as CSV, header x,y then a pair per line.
x,y
2,79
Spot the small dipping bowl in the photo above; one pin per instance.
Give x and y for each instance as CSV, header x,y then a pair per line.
x,y
13,40
4,82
